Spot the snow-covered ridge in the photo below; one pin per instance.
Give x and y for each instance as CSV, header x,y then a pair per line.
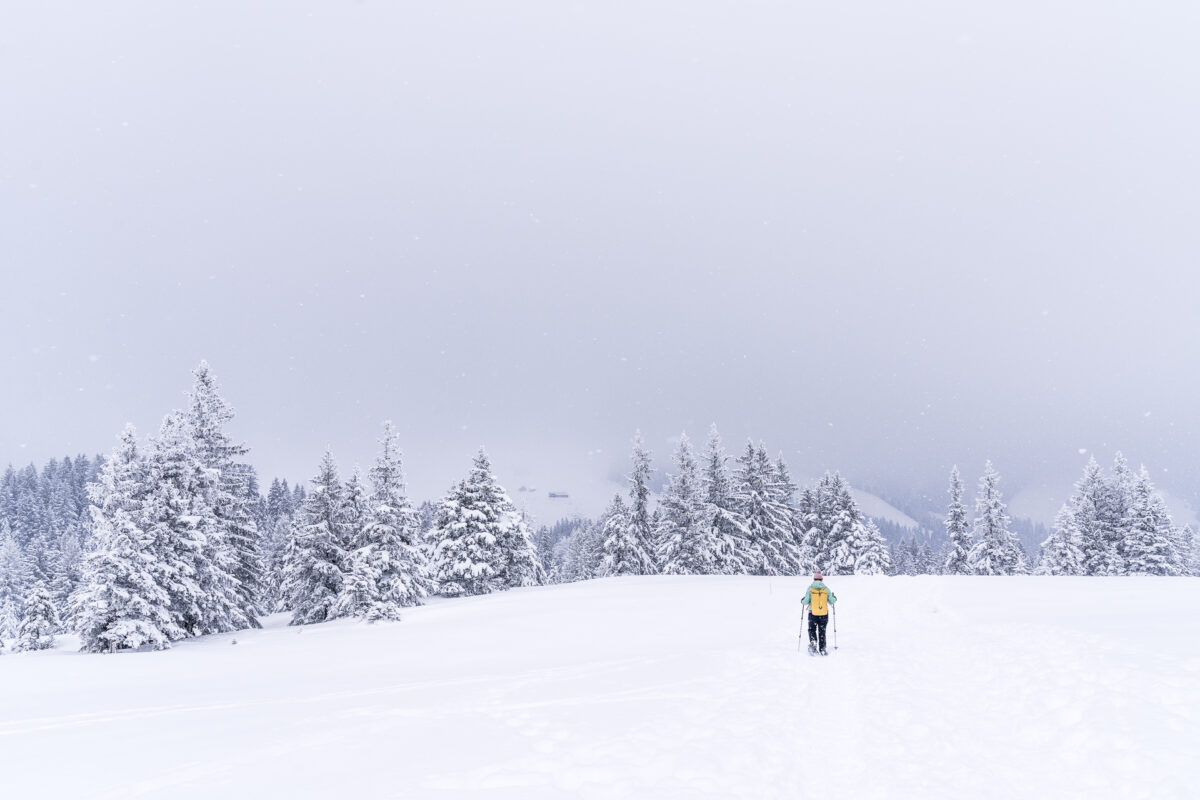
x,y
655,687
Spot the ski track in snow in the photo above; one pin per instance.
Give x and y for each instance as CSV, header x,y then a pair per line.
x,y
647,687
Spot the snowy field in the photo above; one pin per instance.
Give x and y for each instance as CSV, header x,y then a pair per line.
x,y
654,687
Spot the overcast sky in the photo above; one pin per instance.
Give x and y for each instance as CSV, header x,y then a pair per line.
x,y
883,237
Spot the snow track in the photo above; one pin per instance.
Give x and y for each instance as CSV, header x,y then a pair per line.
x,y
660,687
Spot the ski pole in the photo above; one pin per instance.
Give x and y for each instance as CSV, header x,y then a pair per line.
x,y
835,627
800,638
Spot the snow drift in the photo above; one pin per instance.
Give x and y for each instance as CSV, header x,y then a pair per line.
x,y
656,687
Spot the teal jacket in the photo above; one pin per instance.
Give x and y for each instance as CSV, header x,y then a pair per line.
x,y
818,585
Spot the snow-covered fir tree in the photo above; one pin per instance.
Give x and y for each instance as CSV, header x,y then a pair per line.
x,y
277,534
726,534
522,566
914,556
639,520
868,552
623,550
823,511
14,580
838,538
275,527
354,510
583,552
279,500
902,559
39,622
1189,550
1091,509
480,541
544,543
995,551
1061,551
121,604
682,536
69,577
1117,510
193,561
230,498
781,492
957,532
771,537
387,566
1149,546
842,517
316,558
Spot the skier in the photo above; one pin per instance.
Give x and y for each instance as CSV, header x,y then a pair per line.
x,y
817,599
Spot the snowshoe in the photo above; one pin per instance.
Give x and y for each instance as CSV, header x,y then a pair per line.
x,y
812,649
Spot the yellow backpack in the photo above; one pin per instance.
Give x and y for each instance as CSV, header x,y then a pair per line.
x,y
820,602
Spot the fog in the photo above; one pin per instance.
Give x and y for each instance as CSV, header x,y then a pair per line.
x,y
883,238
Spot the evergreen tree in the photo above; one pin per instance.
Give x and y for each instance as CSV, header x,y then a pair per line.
x,y
521,565
192,560
1061,552
1089,510
354,511
1149,548
641,528
771,537
995,551
14,581
232,493
544,543
316,558
902,559
387,566
36,631
480,542
1117,511
682,536
299,495
829,513
781,492
623,552
275,547
843,521
584,552
1189,553
121,604
279,500
958,559
929,562
725,532
69,575
868,551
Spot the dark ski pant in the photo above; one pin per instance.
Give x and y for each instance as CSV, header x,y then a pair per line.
x,y
816,630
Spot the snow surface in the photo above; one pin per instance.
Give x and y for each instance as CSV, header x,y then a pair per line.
x,y
657,687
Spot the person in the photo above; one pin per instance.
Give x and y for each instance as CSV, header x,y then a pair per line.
x,y
817,601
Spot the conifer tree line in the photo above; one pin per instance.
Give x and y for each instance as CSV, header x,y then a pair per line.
x,y
719,518
1112,525
1117,524
171,539
45,524
749,520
